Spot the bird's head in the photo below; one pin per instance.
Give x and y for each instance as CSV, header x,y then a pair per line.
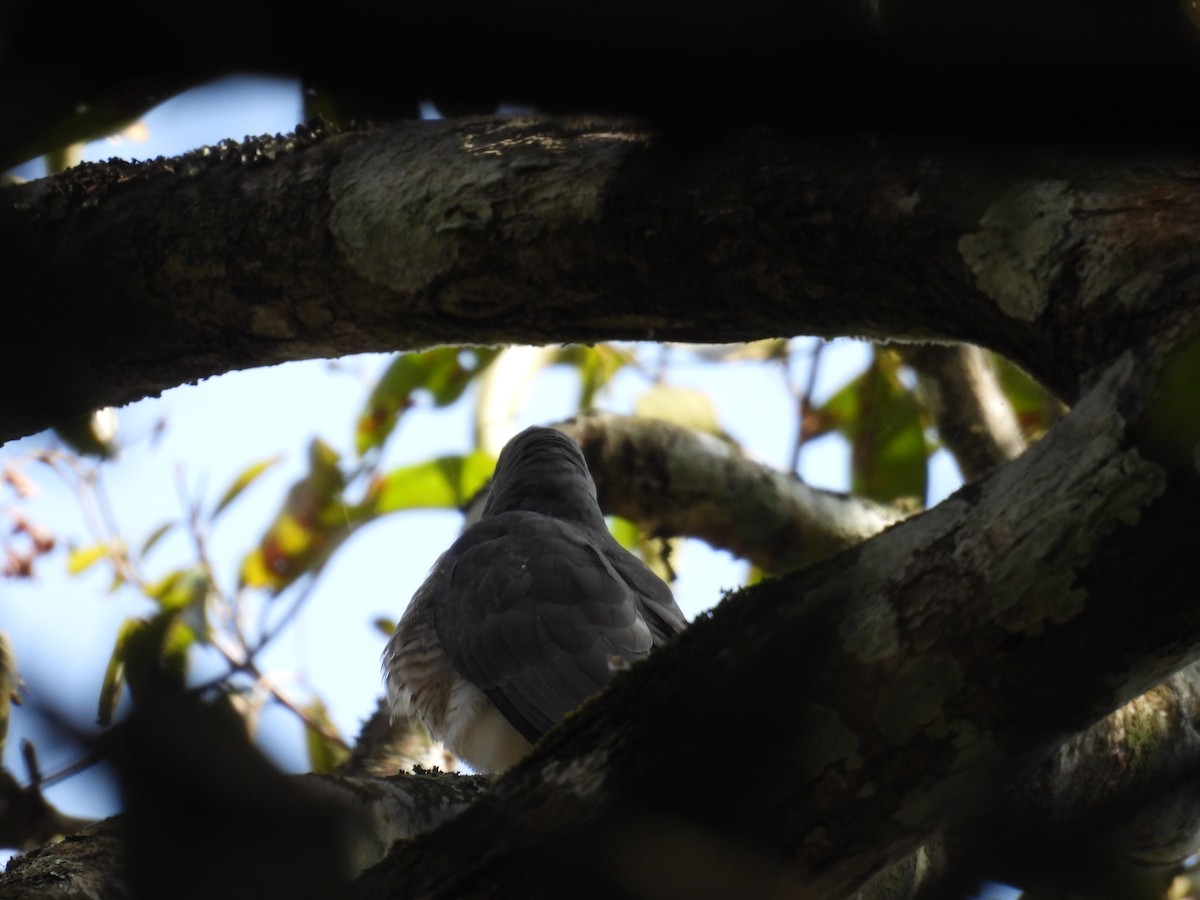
x,y
542,470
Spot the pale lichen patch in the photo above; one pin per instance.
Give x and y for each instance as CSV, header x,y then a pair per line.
x,y
1016,253
1118,492
410,204
1094,488
869,631
582,776
904,543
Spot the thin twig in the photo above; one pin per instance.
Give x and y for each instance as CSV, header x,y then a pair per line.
x,y
98,515
250,667
269,634
80,765
230,607
804,404
285,701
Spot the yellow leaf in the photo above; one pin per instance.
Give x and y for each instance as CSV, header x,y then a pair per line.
x,y
83,558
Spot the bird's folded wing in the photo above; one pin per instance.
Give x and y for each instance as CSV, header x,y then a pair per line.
x,y
531,611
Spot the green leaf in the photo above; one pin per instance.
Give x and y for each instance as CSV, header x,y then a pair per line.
x,y
384,625
444,372
649,549
628,535
839,413
1172,420
155,536
324,755
81,559
889,456
882,420
661,556
313,522
754,575
118,582
181,588
447,482
687,407
178,638
247,477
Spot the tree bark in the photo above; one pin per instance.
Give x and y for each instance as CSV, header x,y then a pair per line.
x,y
674,481
128,279
975,421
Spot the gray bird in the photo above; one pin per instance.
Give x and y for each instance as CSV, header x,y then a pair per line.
x,y
527,614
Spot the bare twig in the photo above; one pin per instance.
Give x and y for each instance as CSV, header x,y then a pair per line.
x,y
804,403
82,764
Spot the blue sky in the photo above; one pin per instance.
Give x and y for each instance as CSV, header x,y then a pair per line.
x,y
64,627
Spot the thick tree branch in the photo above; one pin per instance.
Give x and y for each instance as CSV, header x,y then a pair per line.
x,y
889,685
974,419
134,279
674,481
1111,803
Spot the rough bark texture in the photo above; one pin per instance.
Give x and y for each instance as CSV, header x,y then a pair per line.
x,y
1111,808
675,481
134,279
